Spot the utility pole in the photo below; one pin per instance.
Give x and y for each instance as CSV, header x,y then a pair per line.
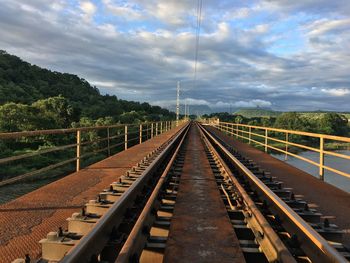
x,y
177,103
185,109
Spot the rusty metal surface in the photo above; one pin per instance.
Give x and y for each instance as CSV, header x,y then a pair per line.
x,y
95,240
329,199
200,230
25,220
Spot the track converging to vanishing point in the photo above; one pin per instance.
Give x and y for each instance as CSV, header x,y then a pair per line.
x,y
195,199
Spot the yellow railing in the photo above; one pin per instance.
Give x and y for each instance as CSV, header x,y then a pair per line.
x,y
251,133
123,134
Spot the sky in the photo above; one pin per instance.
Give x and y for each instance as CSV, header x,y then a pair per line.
x,y
280,54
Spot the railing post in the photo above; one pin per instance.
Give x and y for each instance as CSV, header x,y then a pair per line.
x,y
266,140
108,143
287,139
152,130
78,149
147,127
236,130
161,128
140,133
126,137
250,134
321,158
156,128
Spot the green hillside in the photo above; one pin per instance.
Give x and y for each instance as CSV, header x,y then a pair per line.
x,y
314,115
27,91
257,112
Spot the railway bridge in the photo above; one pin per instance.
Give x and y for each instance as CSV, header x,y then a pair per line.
x,y
186,192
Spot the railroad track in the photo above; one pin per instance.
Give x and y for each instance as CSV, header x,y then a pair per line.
x,y
195,199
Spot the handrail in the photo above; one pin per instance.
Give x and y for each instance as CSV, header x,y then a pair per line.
x,y
137,133
12,135
310,134
322,248
246,133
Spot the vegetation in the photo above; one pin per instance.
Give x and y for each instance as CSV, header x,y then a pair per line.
x,y
257,112
35,98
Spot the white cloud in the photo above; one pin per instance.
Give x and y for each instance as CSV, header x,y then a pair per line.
x,y
88,9
261,29
252,103
142,49
336,92
125,10
239,13
106,84
324,26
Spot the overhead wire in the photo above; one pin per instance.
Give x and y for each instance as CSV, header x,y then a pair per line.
x,y
198,30
196,51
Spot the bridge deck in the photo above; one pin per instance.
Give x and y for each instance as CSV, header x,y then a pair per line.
x,y
330,199
200,229
27,219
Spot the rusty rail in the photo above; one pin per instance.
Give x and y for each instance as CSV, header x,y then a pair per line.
x,y
271,244
93,242
315,245
136,240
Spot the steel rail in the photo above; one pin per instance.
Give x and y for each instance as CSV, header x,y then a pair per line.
x,y
270,243
315,246
136,239
90,245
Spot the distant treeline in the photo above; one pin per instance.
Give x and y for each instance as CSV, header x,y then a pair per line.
x,y
326,123
35,98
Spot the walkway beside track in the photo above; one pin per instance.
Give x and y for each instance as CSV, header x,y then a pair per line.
x,y
27,219
329,199
200,229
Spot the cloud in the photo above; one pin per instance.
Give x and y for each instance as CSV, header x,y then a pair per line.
x,y
88,9
325,26
267,54
336,92
125,10
252,103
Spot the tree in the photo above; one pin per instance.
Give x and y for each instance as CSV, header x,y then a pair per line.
x,y
333,123
57,111
291,121
17,117
239,119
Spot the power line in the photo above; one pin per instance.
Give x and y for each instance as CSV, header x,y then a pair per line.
x,y
177,102
198,30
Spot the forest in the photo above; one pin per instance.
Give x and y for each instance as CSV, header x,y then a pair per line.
x,y
34,98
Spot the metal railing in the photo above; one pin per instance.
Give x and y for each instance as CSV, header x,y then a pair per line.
x,y
80,139
252,133
319,248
